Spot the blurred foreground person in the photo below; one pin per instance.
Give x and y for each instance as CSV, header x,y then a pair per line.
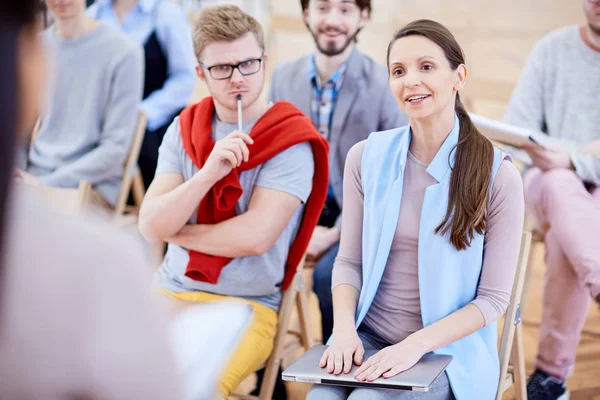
x,y
77,317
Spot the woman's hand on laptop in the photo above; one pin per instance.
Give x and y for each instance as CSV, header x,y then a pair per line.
x,y
346,348
389,361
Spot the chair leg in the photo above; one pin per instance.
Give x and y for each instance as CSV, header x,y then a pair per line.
x,y
530,266
269,380
138,190
274,361
518,362
303,316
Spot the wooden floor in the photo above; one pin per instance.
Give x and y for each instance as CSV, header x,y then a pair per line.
x,y
585,382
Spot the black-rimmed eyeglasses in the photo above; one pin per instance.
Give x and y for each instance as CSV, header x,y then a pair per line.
x,y
224,71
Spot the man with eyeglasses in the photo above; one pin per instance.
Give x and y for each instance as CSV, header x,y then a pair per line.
x,y
236,199
346,95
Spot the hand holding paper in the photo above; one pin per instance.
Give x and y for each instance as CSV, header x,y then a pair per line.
x,y
547,158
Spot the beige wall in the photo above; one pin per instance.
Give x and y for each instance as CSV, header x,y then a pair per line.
x,y
495,35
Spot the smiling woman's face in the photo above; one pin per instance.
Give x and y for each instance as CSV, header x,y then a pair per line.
x,y
421,78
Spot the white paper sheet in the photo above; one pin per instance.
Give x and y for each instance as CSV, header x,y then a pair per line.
x,y
203,337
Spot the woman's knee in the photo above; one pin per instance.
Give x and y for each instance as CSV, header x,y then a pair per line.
x,y
318,392
368,394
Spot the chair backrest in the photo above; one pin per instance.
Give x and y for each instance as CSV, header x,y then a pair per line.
x,y
513,314
130,164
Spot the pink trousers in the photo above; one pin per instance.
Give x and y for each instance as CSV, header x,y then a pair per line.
x,y
569,214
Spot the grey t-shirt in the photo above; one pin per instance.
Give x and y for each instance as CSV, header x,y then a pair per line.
x,y
256,278
88,121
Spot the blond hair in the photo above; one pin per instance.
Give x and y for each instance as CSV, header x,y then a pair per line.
x,y
224,24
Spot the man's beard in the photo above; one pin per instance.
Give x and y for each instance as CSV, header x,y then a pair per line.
x,y
331,50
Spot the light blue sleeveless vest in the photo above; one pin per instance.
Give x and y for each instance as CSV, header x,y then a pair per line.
x,y
448,278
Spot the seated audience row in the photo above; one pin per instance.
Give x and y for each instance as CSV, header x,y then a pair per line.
x,y
244,187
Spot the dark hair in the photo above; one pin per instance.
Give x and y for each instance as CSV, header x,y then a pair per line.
x,y
14,15
472,171
362,4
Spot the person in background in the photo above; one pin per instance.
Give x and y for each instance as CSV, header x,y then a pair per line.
x,y
235,197
432,226
347,96
88,120
78,318
162,28
557,94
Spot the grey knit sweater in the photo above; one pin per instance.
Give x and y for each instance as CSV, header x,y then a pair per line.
x,y
558,93
88,121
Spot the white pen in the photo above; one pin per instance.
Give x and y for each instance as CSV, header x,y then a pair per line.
x,y
239,107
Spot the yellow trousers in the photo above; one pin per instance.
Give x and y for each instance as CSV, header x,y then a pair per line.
x,y
255,346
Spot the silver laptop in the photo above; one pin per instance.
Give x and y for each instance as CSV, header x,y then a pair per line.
x,y
419,378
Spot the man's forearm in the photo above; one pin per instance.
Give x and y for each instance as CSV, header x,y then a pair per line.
x,y
235,237
251,233
164,216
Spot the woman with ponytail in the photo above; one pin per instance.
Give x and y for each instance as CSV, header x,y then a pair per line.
x,y
77,315
432,223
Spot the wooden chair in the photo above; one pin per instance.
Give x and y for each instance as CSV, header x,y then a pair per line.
x,y
131,183
67,201
511,353
287,341
537,244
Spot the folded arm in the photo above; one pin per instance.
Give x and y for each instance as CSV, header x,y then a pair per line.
x,y
251,233
282,184
169,204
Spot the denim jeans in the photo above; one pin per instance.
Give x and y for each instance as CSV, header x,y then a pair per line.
x,y
322,288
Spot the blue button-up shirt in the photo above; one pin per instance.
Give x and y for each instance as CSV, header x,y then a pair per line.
x,y
323,104
174,35
324,97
